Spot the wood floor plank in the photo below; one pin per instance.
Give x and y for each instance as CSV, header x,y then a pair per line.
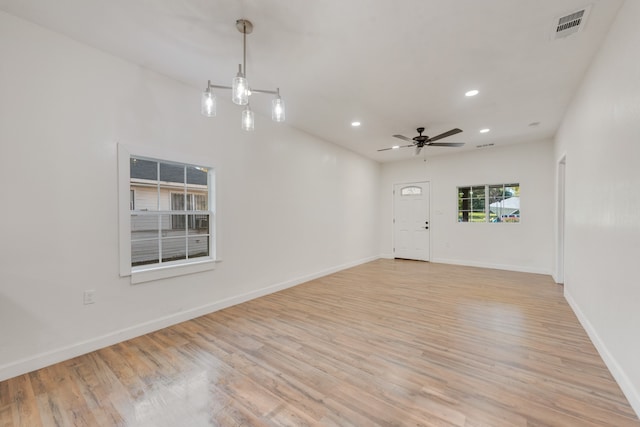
x,y
389,343
24,407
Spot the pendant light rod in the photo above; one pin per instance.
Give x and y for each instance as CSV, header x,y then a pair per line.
x,y
245,27
244,46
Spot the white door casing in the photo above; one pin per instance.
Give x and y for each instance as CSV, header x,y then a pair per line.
x,y
562,164
411,221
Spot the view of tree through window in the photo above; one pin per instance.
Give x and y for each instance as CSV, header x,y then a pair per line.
x,y
489,203
170,212
471,204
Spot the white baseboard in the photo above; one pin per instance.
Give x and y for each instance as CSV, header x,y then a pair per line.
x,y
509,267
48,358
630,391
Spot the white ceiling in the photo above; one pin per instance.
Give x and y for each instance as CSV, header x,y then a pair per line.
x,y
394,65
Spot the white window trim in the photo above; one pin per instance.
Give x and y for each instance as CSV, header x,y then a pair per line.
x,y
151,273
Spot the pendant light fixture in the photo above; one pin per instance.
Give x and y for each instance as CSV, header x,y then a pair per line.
x,y
240,89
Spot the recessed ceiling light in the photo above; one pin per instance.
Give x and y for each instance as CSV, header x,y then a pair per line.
x,y
355,124
485,130
395,147
473,92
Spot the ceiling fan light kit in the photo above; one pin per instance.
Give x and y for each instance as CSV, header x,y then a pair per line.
x,y
240,89
424,141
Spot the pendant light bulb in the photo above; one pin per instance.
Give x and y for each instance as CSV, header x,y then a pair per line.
x,y
277,109
247,119
240,88
208,102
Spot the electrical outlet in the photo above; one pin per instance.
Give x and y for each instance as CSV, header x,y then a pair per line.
x,y
89,297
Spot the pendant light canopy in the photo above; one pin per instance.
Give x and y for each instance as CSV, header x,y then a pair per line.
x,y
240,89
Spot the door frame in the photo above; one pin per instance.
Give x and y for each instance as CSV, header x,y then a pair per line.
x,y
560,219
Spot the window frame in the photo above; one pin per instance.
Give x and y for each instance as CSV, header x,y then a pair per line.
x,y
487,200
146,273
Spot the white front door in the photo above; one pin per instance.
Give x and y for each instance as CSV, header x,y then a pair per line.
x,y
411,221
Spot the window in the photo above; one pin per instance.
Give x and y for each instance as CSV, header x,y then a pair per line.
x,y
489,203
504,203
471,204
168,228
411,191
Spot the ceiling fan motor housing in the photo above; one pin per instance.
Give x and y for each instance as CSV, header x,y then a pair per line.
x,y
420,139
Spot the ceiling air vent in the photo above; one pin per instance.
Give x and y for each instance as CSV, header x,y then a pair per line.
x,y
485,145
570,24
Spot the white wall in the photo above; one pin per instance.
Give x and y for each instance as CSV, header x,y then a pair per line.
x,y
525,246
291,207
600,137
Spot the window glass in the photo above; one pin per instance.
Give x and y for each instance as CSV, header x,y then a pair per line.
x,y
198,224
171,173
471,204
197,175
143,169
144,252
200,202
489,203
411,191
504,205
170,212
144,239
198,246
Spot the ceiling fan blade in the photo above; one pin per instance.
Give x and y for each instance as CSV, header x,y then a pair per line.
x,y
418,148
446,144
403,138
397,147
446,134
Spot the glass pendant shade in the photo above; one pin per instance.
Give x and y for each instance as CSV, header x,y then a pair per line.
x,y
277,110
240,90
247,119
208,103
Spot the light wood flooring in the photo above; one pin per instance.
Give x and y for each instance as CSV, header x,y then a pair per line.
x,y
388,343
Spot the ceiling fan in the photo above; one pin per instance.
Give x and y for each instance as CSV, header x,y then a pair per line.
x,y
423,140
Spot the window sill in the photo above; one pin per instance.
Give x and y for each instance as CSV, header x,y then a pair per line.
x,y
157,273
